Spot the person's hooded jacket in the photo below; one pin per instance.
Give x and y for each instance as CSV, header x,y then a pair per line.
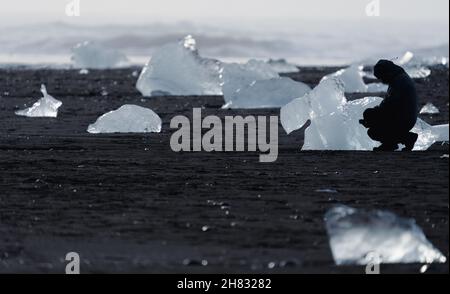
x,y
400,107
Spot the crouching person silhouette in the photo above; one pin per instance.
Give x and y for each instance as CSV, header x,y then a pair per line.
x,y
390,122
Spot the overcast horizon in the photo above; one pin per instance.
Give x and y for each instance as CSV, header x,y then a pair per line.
x,y
306,31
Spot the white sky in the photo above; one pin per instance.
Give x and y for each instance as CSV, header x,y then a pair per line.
x,y
141,11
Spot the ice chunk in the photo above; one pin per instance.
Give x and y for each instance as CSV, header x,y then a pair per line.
x,y
413,66
47,106
429,108
335,121
273,93
377,88
178,69
237,76
90,55
428,135
354,235
324,99
257,85
406,58
352,77
282,66
127,119
418,72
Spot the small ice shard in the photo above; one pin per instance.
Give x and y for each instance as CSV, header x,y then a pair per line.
x,y
89,55
47,106
84,71
178,69
429,108
282,66
335,121
273,93
445,156
127,119
355,235
329,191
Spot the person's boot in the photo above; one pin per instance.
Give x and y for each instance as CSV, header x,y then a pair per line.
x,y
389,147
409,141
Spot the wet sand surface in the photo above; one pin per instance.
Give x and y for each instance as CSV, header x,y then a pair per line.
x,y
128,203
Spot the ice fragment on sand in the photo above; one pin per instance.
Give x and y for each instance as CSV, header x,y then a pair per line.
x,y
428,135
429,108
178,69
418,72
356,234
127,119
335,121
329,191
89,55
47,106
273,93
413,67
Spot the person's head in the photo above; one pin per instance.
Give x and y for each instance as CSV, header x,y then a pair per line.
x,y
386,71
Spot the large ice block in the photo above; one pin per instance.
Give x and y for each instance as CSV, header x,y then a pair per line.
x,y
353,79
90,55
335,121
356,236
236,76
273,93
127,119
178,69
47,106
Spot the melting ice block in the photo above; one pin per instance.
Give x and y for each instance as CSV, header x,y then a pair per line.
x,y
237,76
356,236
282,66
89,55
127,119
352,78
47,106
273,93
178,69
257,85
335,121
429,108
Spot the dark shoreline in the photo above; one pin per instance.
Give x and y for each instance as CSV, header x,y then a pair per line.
x,y
127,203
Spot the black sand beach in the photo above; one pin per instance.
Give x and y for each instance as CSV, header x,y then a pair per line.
x,y
128,203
